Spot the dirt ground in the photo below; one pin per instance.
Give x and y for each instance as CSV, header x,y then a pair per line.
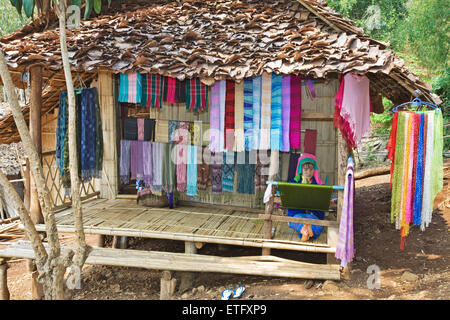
x,y
419,272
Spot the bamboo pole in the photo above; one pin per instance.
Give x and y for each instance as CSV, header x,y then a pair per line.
x,y
167,285
187,278
4,292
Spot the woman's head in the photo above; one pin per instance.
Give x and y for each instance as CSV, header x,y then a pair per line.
x,y
308,170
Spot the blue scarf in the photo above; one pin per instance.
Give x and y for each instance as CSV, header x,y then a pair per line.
x,y
88,134
191,189
276,136
248,113
228,172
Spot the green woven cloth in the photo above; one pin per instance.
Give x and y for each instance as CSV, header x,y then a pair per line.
x,y
305,196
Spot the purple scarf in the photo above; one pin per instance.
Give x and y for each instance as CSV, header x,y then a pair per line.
x,y
136,163
147,163
125,161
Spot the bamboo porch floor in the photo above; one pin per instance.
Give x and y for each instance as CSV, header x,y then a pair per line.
x,y
124,217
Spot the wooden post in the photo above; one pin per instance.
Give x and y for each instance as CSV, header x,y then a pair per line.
x,y
268,207
123,242
167,285
187,278
342,156
35,132
100,240
4,292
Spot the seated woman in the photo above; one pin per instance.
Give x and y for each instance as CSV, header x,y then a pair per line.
x,y
307,172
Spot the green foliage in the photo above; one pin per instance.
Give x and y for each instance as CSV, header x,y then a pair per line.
x,y
28,7
441,86
9,19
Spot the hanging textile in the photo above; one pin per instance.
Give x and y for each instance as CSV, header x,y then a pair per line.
x,y
239,141
91,139
248,114
141,125
246,172
415,146
196,95
130,129
285,112
162,131
152,91
130,87
296,112
147,163
180,91
266,91
214,118
257,85
173,125
168,175
261,172
222,103
310,141
157,164
181,170
345,245
339,121
203,175
216,172
228,171
136,163
293,161
229,115
197,133
171,90
276,130
356,105
149,129
125,158
191,189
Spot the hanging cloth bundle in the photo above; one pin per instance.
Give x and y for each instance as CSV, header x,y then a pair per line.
x,y
415,149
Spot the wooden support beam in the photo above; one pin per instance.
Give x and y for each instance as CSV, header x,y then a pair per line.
x,y
4,292
326,223
35,132
187,278
168,285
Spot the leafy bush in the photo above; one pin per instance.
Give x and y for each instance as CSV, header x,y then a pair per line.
x,y
441,86
10,20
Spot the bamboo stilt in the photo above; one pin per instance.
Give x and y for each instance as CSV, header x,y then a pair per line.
x,y
187,278
4,292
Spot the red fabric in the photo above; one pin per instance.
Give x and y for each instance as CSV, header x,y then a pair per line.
x,y
310,141
171,85
295,126
390,146
192,94
229,114
340,122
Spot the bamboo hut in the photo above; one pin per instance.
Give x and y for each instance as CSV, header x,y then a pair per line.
x,y
210,40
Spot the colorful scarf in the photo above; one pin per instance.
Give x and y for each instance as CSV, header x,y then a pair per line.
x,y
214,118
390,146
162,131
246,172
147,163
152,91
125,157
216,172
437,174
266,92
239,144
345,246
157,164
276,129
293,161
286,111
171,90
257,84
419,172
173,125
130,87
248,114
427,204
197,133
229,115
228,172
196,95
203,175
192,171
398,172
296,112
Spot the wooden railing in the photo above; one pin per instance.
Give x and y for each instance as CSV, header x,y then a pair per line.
x,y
59,197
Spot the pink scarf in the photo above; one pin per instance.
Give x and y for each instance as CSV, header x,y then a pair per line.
x,y
296,112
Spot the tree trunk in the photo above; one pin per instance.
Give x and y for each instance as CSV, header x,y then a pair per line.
x,y
81,250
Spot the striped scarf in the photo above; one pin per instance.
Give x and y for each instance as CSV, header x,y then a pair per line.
x,y
152,91
229,115
130,87
147,163
276,137
216,172
196,95
248,114
246,172
222,104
